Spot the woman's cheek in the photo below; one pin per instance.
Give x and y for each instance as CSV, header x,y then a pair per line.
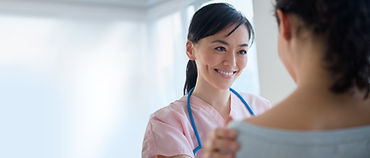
x,y
243,62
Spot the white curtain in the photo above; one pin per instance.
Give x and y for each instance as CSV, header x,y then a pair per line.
x,y
81,82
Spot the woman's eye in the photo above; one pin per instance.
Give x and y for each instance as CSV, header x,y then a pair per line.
x,y
220,49
242,52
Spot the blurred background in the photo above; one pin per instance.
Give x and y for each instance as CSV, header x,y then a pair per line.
x,y
80,78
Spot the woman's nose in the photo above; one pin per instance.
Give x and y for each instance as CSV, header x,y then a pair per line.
x,y
230,59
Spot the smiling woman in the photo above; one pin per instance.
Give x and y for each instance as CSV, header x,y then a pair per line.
x,y
217,48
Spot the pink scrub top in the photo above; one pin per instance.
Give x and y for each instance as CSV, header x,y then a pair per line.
x,y
169,131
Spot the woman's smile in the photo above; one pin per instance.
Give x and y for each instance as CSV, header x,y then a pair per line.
x,y
227,74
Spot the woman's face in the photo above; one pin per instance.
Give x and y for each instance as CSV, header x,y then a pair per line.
x,y
220,58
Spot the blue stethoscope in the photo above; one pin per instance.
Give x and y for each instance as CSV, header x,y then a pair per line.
x,y
192,119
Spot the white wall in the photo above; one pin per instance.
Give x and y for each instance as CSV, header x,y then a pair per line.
x,y
67,78
275,82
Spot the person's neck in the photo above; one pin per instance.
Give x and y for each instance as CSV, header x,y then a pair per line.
x,y
319,94
315,81
323,109
217,98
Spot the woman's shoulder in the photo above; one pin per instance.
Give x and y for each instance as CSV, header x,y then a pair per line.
x,y
175,109
271,141
252,132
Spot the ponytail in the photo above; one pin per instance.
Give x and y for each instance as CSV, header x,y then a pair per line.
x,y
191,76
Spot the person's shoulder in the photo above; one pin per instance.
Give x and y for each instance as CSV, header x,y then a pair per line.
x,y
173,116
176,108
258,103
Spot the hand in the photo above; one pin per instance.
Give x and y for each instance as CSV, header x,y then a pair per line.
x,y
221,143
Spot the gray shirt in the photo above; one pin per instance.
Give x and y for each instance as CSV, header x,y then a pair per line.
x,y
263,142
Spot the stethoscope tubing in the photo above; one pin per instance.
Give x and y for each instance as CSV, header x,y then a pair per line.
x,y
192,118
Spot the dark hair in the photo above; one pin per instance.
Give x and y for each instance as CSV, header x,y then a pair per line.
x,y
344,26
208,21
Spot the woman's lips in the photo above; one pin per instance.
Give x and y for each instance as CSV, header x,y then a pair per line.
x,y
226,73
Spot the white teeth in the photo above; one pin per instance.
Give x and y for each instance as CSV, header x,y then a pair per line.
x,y
226,73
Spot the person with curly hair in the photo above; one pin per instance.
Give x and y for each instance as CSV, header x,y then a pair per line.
x,y
325,47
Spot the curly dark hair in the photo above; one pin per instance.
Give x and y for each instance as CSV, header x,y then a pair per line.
x,y
345,27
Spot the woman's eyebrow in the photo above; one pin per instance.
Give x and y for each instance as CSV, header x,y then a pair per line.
x,y
225,43
220,41
244,45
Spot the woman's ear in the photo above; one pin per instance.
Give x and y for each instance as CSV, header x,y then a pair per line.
x,y
285,27
190,50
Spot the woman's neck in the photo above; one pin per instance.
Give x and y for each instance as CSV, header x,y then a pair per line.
x,y
310,73
313,91
217,98
312,79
